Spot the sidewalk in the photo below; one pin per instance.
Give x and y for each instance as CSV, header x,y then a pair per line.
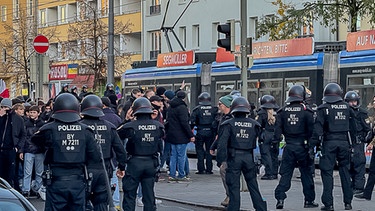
x,y
208,191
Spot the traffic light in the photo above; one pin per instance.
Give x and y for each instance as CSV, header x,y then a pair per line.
x,y
229,30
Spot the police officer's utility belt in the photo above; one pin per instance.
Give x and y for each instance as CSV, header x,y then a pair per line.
x,y
242,151
270,130
295,143
204,128
336,136
67,177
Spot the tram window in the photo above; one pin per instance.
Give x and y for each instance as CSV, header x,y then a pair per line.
x,y
360,80
225,86
300,81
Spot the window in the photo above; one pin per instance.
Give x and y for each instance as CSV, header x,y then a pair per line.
x,y
4,55
43,18
155,7
16,9
253,27
62,14
155,44
105,7
4,13
182,33
195,41
30,7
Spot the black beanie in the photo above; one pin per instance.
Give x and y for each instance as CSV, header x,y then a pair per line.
x,y
160,91
181,94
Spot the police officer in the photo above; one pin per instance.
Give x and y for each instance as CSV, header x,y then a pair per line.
x,y
358,161
70,145
202,117
236,143
269,147
144,143
83,92
331,129
107,137
294,121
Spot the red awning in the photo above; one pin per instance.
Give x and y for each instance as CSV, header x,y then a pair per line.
x,y
81,80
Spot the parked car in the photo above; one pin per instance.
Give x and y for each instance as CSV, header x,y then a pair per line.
x,y
12,200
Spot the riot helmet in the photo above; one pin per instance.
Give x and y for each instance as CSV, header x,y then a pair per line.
x,y
352,96
92,106
297,93
240,105
204,98
268,101
66,108
142,106
332,93
84,86
109,85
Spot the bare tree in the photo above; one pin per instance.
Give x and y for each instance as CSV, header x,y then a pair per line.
x,y
18,46
88,42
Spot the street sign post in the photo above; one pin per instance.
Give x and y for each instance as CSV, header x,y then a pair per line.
x,y
41,44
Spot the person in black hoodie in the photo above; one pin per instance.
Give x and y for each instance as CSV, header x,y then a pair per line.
x,y
178,134
12,138
136,93
32,154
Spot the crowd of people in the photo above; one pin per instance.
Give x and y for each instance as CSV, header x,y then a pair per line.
x,y
44,145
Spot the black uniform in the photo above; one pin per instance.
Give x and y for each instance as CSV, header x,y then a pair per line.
x,y
358,161
110,143
331,129
69,147
236,142
269,147
295,122
202,117
144,143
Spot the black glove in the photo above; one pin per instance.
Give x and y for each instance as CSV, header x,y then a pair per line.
x,y
311,153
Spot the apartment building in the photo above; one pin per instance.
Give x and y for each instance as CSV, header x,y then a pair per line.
x,y
71,57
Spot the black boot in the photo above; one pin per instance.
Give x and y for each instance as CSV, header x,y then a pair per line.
x,y
348,207
329,208
280,204
310,204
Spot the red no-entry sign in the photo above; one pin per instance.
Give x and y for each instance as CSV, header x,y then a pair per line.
x,y
41,44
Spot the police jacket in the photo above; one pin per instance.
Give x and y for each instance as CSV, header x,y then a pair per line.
x,y
69,147
268,129
32,125
334,121
144,136
106,135
238,133
295,121
203,116
362,126
177,127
